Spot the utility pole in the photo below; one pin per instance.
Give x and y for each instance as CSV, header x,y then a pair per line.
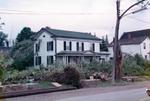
x,y
117,60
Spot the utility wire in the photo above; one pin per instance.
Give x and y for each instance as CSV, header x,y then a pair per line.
x,y
19,12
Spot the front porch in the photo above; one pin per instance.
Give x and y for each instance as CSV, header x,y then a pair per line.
x,y
69,57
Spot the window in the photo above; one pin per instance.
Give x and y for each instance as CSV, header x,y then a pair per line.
x,y
50,60
70,45
144,46
50,46
38,60
64,45
93,47
82,46
77,46
146,57
37,47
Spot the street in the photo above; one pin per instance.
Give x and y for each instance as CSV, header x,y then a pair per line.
x,y
119,93
129,95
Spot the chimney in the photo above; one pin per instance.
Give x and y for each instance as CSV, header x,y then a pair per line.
x,y
47,27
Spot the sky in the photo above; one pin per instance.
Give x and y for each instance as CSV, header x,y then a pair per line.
x,y
95,16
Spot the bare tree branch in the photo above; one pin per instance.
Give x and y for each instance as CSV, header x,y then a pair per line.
x,y
130,8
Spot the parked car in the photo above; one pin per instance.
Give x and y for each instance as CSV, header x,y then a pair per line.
x,y
148,91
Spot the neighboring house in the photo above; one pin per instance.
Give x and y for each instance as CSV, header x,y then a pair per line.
x,y
135,42
5,50
66,47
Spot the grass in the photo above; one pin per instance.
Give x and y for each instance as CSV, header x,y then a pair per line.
x,y
109,83
45,84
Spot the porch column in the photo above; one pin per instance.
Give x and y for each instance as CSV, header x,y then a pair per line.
x,y
66,60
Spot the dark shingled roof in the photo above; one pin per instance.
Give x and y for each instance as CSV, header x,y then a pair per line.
x,y
69,34
134,37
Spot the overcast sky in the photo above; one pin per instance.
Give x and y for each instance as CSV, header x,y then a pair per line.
x,y
95,16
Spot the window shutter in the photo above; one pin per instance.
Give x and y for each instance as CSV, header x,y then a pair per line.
x,y
70,45
82,46
52,45
64,45
77,46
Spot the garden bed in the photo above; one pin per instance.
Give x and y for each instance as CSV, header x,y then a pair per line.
x,y
16,90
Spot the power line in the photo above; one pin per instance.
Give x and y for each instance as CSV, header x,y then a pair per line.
x,y
19,12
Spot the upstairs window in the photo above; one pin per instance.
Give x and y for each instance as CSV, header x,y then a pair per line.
x,y
50,46
82,46
93,47
145,57
77,46
64,45
37,47
144,45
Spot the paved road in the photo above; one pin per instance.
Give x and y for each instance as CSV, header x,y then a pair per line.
x,y
125,95
128,95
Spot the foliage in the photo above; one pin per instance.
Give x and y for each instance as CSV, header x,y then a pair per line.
x,y
3,37
23,51
133,66
139,60
25,34
104,67
72,76
103,46
23,55
1,72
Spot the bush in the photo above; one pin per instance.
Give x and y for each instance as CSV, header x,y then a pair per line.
x,y
96,67
57,77
132,67
72,77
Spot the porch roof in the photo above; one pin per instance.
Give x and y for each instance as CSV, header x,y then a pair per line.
x,y
81,53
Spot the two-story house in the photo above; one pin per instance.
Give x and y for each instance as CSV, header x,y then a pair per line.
x,y
135,42
66,47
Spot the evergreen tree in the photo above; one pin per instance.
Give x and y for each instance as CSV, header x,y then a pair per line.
x,y
103,45
3,39
22,51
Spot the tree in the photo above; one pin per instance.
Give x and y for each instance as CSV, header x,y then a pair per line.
x,y
103,45
116,73
25,34
22,51
3,39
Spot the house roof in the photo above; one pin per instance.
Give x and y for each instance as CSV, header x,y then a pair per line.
x,y
69,34
81,53
134,37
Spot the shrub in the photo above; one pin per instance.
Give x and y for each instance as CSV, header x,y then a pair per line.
x,y
132,67
72,77
57,77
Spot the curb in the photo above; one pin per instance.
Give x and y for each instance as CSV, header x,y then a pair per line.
x,y
33,92
145,99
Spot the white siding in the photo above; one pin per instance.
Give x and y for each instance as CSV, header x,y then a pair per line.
x,y
87,44
60,46
147,48
43,48
130,49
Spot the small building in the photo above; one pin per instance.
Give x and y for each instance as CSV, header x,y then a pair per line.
x,y
135,42
66,47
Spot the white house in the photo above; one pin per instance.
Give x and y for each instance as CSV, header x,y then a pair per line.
x,y
66,47
135,42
